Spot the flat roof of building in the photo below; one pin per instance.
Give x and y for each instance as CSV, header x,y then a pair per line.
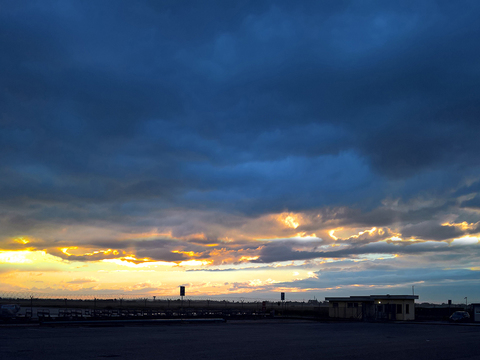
x,y
373,298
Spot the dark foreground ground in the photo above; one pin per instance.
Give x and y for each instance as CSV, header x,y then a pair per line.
x,y
264,339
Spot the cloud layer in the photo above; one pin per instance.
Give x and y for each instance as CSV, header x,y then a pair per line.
x,y
179,131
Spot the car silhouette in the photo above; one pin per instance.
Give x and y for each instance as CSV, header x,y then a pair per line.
x,y
460,316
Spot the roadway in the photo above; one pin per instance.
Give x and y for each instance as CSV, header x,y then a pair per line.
x,y
255,339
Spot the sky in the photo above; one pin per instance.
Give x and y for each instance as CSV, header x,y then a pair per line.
x,y
240,149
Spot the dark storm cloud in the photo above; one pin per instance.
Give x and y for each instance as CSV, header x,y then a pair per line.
x,y
473,203
433,231
289,251
253,107
395,277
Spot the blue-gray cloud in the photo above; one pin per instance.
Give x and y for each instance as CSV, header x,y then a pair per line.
x,y
245,108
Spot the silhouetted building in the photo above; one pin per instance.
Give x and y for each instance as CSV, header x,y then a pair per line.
x,y
476,312
373,307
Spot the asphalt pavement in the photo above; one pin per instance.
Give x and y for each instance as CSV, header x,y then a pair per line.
x,y
259,339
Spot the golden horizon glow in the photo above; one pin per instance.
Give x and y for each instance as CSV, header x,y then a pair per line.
x,y
22,240
195,262
188,253
65,250
370,232
463,225
465,240
290,220
248,258
235,267
27,257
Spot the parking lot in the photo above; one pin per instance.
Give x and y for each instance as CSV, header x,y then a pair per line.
x,y
259,339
